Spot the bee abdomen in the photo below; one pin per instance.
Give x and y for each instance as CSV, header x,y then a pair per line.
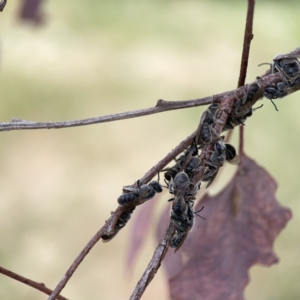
x,y
125,199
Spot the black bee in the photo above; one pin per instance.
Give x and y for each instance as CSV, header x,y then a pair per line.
x,y
281,89
220,154
141,194
242,108
192,166
205,133
179,186
180,162
288,66
275,91
121,222
183,219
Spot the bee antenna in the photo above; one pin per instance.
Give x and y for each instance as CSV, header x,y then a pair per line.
x,y
166,184
199,210
200,216
274,105
264,64
258,107
196,213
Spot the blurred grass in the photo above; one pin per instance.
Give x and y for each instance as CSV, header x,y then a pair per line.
x,y
98,57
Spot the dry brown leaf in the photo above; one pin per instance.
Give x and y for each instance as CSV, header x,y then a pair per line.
x,y
241,225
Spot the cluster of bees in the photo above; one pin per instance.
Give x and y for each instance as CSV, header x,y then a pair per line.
x,y
289,68
179,177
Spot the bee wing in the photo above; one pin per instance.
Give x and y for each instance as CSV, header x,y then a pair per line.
x,y
142,197
213,178
182,240
198,133
179,199
235,160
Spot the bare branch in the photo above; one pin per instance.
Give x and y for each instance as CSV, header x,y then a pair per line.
x,y
161,106
154,264
248,36
245,57
109,229
39,286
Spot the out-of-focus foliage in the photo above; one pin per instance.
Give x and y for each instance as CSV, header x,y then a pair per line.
x,y
98,57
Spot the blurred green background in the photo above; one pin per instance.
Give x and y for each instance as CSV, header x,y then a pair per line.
x,y
93,58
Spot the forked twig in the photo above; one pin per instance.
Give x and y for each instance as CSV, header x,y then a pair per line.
x,y
109,227
223,112
161,106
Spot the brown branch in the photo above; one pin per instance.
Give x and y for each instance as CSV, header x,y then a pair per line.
x,y
161,106
154,263
222,115
248,36
109,228
39,286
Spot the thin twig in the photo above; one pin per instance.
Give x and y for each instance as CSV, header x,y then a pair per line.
x,y
109,230
161,106
248,36
39,286
153,266
154,263
223,112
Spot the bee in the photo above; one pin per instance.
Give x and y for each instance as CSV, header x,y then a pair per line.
x,y
281,89
140,194
183,218
192,166
170,173
242,108
205,133
274,91
184,221
121,222
220,154
288,66
244,105
180,188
